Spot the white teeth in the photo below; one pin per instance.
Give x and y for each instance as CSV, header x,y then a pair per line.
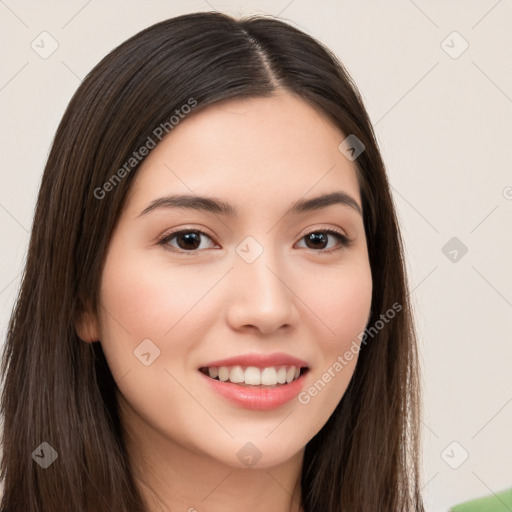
x,y
237,374
223,374
269,377
253,376
290,374
281,375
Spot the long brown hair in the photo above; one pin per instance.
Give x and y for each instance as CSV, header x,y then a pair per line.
x,y
59,390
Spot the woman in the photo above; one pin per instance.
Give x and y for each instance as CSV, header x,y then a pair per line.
x,y
214,312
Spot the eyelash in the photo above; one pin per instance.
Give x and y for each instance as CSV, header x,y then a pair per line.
x,y
344,241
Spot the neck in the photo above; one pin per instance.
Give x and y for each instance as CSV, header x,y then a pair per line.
x,y
173,477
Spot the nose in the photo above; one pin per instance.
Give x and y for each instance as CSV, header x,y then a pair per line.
x,y
260,297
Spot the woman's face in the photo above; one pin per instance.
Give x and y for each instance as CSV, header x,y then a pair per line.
x,y
265,280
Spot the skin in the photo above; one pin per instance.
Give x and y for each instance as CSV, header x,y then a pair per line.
x,y
261,155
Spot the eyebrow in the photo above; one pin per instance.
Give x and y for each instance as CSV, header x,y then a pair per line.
x,y
216,206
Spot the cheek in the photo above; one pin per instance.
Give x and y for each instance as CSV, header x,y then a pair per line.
x,y
145,301
137,305
145,298
149,299
340,300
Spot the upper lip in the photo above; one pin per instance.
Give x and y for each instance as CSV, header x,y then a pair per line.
x,y
258,360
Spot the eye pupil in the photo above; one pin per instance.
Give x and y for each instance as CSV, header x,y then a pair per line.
x,y
316,237
192,239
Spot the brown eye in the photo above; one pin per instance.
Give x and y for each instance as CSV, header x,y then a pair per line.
x,y
191,240
320,239
186,240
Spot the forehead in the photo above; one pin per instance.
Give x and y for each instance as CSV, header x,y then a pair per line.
x,y
276,148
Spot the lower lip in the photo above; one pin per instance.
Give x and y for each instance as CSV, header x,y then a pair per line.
x,y
260,399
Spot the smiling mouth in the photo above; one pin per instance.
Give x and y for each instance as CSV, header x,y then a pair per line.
x,y
254,377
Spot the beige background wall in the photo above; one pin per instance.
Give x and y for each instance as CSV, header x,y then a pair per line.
x,y
442,114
